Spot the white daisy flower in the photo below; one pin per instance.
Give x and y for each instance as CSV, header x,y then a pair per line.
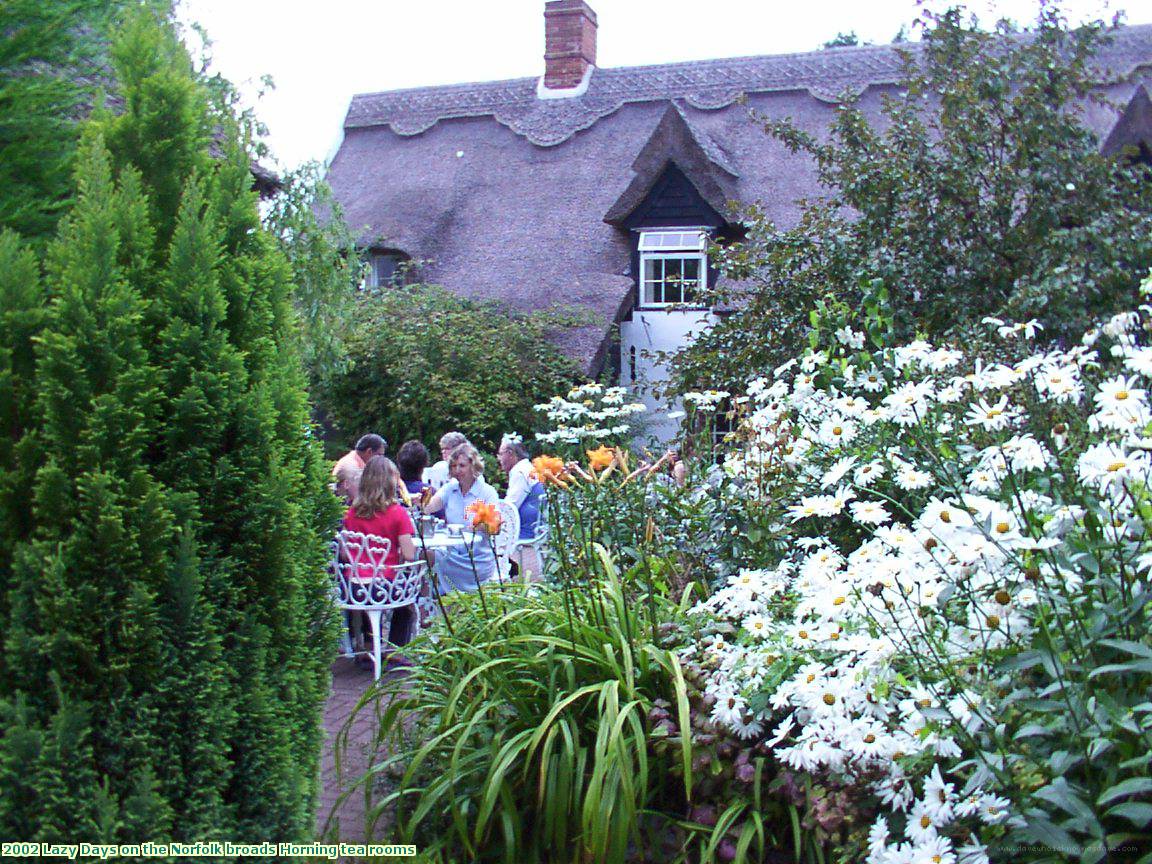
x,y
870,512
836,473
991,417
910,478
872,380
866,475
1106,464
939,797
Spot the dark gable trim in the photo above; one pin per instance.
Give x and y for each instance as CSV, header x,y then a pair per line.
x,y
1132,134
673,202
676,141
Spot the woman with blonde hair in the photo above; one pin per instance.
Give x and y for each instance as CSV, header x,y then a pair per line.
x,y
377,510
459,568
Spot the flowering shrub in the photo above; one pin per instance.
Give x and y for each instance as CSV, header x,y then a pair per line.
x,y
590,413
958,634
928,638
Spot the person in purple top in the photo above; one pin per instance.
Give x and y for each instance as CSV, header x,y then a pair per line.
x,y
412,460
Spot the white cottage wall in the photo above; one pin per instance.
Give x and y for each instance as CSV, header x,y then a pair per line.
x,y
648,332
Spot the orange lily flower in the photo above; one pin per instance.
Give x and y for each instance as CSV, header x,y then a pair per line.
x,y
486,516
600,458
550,469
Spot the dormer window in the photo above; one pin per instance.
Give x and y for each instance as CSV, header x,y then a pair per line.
x,y
386,268
673,267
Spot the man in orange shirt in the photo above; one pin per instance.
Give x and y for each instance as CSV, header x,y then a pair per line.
x,y
346,471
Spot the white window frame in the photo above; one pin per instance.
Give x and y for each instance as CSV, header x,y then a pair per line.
x,y
678,244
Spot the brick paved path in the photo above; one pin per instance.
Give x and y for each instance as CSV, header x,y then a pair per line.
x,y
348,823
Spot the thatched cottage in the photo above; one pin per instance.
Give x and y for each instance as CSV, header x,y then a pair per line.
x,y
597,188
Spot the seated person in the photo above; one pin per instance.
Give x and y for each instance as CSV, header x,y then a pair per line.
x,y
377,510
437,475
525,493
412,460
457,568
346,471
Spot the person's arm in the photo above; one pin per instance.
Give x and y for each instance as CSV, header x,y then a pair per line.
x,y
407,548
518,486
437,503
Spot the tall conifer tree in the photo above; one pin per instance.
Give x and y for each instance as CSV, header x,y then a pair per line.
x,y
166,566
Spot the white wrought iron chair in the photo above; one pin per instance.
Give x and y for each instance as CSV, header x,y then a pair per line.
x,y
505,540
363,583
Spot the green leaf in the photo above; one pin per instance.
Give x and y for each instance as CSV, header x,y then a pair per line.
x,y
1122,668
1136,812
1042,830
1032,730
1135,648
1058,792
1131,786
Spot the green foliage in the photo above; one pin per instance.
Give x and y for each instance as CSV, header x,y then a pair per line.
x,y
843,39
52,65
522,734
22,316
163,506
978,192
326,266
422,361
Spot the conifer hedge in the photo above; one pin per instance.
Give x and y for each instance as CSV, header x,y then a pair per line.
x,y
162,507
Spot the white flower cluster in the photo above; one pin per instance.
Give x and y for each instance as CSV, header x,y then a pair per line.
x,y
590,412
887,644
709,400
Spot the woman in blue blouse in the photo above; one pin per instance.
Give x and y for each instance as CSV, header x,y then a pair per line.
x,y
457,568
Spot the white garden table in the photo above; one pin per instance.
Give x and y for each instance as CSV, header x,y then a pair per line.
x,y
444,540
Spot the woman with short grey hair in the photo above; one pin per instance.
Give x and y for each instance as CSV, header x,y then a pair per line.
x,y
437,475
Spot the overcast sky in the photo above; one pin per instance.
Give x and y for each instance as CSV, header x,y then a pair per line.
x,y
320,53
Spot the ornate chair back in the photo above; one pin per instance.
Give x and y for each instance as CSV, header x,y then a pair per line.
x,y
506,538
364,583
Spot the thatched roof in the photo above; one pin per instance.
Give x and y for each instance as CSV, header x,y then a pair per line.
x,y
513,198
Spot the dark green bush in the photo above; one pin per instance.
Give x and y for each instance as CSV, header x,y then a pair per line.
x,y
422,361
162,502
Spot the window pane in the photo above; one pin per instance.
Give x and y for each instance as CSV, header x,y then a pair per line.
x,y
674,291
691,279
653,273
657,241
384,269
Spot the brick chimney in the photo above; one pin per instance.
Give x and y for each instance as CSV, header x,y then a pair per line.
x,y
569,43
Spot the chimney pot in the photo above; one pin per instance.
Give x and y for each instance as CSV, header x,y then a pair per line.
x,y
569,43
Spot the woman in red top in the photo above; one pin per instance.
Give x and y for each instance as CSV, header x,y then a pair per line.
x,y
377,510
